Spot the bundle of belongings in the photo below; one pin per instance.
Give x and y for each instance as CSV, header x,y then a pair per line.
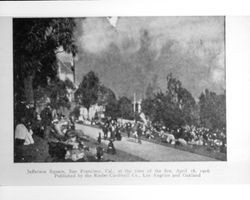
x,y
78,148
67,145
61,126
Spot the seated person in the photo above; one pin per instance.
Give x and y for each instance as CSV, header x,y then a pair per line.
x,y
111,148
23,136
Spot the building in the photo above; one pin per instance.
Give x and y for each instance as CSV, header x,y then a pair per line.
x,y
66,71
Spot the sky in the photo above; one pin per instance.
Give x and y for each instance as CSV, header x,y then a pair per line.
x,y
129,53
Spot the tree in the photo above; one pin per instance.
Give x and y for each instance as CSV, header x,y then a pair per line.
x,y
212,110
69,84
75,112
125,108
174,108
87,93
187,105
182,99
149,107
107,98
167,112
57,93
105,95
35,45
112,109
173,88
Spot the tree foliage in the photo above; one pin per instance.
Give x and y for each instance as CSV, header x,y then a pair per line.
x,y
35,44
177,107
212,109
112,109
87,93
107,98
126,108
173,108
56,91
105,95
91,91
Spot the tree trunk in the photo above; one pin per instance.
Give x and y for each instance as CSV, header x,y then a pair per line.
x,y
28,89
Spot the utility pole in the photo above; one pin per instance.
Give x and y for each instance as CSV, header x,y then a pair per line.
x,y
134,106
134,103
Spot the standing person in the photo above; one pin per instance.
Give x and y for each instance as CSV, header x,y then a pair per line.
x,y
109,129
128,129
46,119
99,139
99,153
118,134
105,131
46,116
139,133
30,115
113,128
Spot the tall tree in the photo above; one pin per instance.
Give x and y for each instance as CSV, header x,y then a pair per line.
x,y
35,45
212,109
105,95
112,109
126,108
174,108
87,93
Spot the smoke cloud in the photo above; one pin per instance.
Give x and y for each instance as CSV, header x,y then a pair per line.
x,y
128,53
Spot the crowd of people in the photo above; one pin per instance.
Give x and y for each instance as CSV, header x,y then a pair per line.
x,y
186,135
67,143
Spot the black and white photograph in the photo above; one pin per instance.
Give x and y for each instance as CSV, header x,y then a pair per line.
x,y
119,89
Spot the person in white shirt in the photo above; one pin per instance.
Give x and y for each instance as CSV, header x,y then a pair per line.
x,y
22,134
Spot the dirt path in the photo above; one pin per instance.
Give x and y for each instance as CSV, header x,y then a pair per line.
x,y
147,150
